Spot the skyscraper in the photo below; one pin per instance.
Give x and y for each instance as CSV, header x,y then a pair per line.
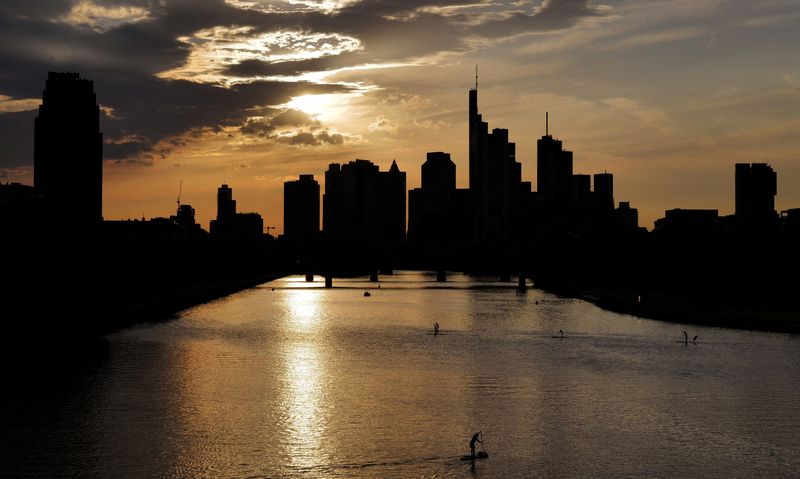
x,y
554,170
301,208
494,178
437,211
756,187
362,203
68,150
226,212
604,191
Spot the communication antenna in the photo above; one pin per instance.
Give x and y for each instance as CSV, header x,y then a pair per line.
x,y
476,77
547,123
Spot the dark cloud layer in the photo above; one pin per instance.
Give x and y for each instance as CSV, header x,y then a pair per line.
x,y
123,61
301,129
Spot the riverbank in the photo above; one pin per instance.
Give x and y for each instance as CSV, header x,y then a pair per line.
x,y
766,314
155,309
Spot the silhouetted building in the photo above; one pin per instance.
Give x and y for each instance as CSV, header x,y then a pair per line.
x,y
68,150
555,181
494,179
363,204
756,187
226,212
393,198
626,218
185,217
792,214
20,211
604,191
301,208
144,231
438,172
248,226
438,213
685,222
581,187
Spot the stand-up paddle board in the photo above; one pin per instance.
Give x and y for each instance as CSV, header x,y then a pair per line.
x,y
478,455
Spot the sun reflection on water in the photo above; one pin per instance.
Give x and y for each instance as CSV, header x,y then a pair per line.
x,y
303,375
303,306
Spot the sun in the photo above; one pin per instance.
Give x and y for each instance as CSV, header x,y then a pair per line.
x,y
324,106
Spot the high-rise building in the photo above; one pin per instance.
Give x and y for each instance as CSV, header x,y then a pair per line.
x,y
626,218
248,226
363,204
494,178
226,212
756,187
438,172
604,191
431,218
554,170
301,208
68,150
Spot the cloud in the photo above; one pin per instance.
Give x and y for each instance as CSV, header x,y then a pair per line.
x,y
226,54
267,127
650,116
100,18
385,125
165,69
10,105
292,127
652,38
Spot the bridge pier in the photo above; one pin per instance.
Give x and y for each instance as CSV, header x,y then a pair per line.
x,y
522,285
441,276
328,281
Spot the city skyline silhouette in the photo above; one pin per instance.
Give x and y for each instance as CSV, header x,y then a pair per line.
x,y
570,235
657,98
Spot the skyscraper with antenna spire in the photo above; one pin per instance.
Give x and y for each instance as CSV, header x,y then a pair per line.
x,y
494,178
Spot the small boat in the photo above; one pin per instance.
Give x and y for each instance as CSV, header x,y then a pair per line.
x,y
366,293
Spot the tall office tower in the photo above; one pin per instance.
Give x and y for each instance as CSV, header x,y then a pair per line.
x,y
363,204
226,212
392,217
301,208
756,187
68,150
604,191
430,219
438,172
553,169
626,218
494,178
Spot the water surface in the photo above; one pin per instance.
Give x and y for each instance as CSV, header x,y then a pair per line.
x,y
290,379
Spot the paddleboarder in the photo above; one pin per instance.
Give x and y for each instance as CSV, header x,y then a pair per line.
x,y
473,441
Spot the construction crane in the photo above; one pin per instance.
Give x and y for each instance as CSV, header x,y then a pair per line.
x,y
269,228
180,189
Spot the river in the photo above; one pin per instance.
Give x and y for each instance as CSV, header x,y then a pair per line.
x,y
290,379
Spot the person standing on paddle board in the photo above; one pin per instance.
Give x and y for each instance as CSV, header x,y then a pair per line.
x,y
473,441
